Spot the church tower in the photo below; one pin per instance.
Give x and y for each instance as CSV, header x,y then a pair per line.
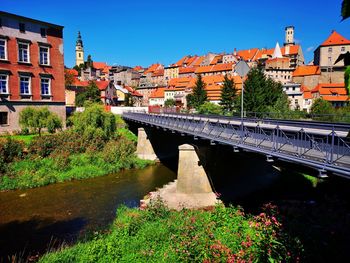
x,y
289,36
79,51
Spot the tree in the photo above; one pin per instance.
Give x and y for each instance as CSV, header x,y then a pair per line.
x,y
281,107
260,92
345,9
199,94
91,93
94,120
228,94
209,108
129,101
89,62
322,110
68,78
169,103
79,68
36,119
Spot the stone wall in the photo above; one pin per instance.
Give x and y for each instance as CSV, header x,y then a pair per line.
x,y
14,110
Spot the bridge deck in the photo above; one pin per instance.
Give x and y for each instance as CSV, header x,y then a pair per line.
x,y
322,148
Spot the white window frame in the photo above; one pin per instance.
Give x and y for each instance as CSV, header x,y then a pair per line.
x,y
48,55
5,48
49,88
29,85
28,50
7,84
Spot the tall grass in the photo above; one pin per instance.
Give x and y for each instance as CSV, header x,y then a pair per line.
x,y
160,235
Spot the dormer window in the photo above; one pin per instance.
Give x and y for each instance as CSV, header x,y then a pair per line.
x,y
43,32
22,27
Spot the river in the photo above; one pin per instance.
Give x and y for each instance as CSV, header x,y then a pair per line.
x,y
32,220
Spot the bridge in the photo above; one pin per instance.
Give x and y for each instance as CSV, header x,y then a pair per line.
x,y
323,146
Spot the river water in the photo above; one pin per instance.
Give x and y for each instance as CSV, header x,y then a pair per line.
x,y
34,219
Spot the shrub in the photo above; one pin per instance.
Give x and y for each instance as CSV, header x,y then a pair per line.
x,y
210,108
118,151
10,150
37,119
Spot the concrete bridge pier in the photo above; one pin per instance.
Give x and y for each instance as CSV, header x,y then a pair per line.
x,y
192,189
144,148
191,176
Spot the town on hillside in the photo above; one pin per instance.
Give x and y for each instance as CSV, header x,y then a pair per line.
x,y
32,72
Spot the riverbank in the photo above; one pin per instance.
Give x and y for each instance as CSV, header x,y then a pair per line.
x,y
97,144
161,235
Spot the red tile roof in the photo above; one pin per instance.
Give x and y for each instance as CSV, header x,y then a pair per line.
x,y
183,70
158,73
102,66
138,68
102,85
332,91
306,70
133,92
335,39
73,72
157,93
216,60
153,68
248,54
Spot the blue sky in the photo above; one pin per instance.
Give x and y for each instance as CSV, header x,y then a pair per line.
x,y
144,32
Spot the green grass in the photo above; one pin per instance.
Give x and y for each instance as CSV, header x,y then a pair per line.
x,y
160,235
30,173
25,138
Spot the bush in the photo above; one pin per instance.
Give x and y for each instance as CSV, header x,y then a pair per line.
x,y
210,108
118,151
36,119
94,120
10,150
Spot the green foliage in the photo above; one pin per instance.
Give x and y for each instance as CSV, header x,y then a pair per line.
x,y
322,110
228,94
94,120
260,92
281,108
169,103
199,94
345,9
37,119
79,68
68,78
10,150
129,102
161,235
91,94
210,108
347,78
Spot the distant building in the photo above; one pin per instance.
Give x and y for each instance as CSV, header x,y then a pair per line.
x,y
79,51
327,53
31,68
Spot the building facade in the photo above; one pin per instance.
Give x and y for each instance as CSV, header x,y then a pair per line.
x,y
31,68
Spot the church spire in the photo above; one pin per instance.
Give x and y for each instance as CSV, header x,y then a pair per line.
x,y
79,51
79,40
277,52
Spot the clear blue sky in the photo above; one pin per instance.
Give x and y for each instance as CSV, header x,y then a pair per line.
x,y
143,32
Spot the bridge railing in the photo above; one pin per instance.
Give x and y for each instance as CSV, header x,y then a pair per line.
x,y
324,151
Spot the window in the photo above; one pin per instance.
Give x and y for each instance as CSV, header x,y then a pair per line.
x,y
44,56
43,32
3,118
330,49
23,52
22,27
342,49
3,84
79,54
45,86
0,22
3,49
24,85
